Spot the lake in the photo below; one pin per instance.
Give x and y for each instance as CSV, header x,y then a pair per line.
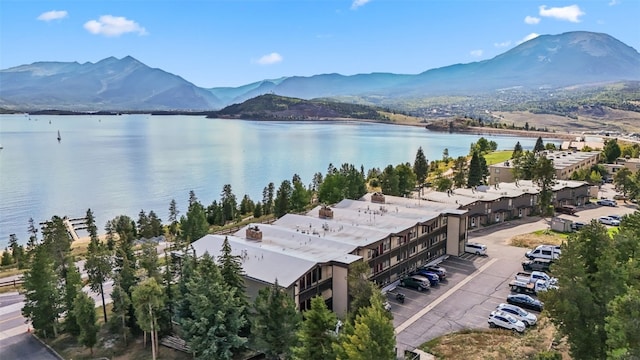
x,y
119,165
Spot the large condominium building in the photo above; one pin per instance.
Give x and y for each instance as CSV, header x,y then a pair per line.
x,y
310,254
564,162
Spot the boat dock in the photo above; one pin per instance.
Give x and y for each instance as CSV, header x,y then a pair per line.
x,y
72,225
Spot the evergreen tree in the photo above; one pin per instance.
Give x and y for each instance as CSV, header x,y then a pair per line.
x,y
390,181
173,219
517,151
611,150
98,264
623,334
421,166
317,181
72,287
360,288
539,146
282,202
33,235
544,175
148,300
370,337
56,239
194,225
144,230
233,275
148,259
460,172
315,337
6,258
17,251
121,309
246,205
275,323
192,198
125,269
475,171
588,280
257,211
228,202
267,198
84,312
406,179
43,301
214,320
523,166
155,225
300,196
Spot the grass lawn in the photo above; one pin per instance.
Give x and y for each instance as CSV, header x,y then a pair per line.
x,y
498,156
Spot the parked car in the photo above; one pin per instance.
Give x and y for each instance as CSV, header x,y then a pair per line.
x,y
537,265
417,282
607,202
606,220
519,313
615,217
566,209
475,248
442,272
525,301
527,287
433,278
501,319
535,275
577,225
551,252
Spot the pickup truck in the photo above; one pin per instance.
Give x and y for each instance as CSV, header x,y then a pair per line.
x,y
528,287
537,265
534,276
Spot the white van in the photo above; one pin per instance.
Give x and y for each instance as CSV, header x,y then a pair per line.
x,y
550,252
475,248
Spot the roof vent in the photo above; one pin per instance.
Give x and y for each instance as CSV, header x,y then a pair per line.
x,y
254,233
326,212
377,197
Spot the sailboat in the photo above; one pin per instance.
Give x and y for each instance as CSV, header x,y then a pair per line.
x,y
59,137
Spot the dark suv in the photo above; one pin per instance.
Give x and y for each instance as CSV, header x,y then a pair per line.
x,y
537,265
416,282
434,280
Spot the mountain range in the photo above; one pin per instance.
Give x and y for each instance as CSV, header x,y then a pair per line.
x,y
548,61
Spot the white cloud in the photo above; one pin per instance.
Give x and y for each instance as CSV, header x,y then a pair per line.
x,y
109,25
53,15
528,37
531,20
269,59
476,53
614,2
502,44
357,3
570,13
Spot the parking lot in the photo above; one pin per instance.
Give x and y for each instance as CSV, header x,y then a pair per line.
x,y
475,284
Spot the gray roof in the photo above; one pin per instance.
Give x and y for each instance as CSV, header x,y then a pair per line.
x,y
561,159
443,197
261,263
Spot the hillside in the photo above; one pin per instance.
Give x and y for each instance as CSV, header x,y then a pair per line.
x,y
275,107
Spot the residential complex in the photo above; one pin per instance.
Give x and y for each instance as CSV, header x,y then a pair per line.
x,y
565,163
310,254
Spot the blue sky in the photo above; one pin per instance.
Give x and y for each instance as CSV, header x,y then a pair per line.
x,y
235,42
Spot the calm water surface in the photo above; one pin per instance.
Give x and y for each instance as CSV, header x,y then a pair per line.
x,y
122,164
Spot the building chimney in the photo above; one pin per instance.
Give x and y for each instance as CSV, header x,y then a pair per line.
x,y
326,212
254,233
377,197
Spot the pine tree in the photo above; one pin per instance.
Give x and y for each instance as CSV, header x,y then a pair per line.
x,y
460,171
194,225
98,264
148,300
370,337
233,275
121,309
43,301
148,259
173,219
539,146
475,170
544,175
17,251
7,259
84,312
214,320
275,323
282,203
315,337
421,166
517,151
72,287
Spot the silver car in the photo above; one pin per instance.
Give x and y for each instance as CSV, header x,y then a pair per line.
x,y
519,313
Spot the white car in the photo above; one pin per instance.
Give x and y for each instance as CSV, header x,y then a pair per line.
x,y
608,221
607,202
501,319
475,248
519,313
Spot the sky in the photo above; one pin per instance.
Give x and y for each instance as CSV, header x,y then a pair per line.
x,y
216,43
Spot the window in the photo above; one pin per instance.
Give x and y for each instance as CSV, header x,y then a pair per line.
x,y
412,250
497,171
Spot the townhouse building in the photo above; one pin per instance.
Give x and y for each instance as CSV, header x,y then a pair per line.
x,y
310,254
